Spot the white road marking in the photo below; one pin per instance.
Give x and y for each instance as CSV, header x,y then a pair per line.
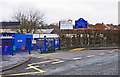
x,y
31,67
42,55
58,62
115,50
90,56
101,54
77,58
111,52
47,61
89,63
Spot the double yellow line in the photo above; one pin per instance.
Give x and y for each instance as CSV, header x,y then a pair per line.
x,y
33,67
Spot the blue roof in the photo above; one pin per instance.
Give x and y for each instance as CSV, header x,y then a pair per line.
x,y
9,23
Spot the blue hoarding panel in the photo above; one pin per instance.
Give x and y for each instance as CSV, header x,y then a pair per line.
x,y
19,40
81,23
29,36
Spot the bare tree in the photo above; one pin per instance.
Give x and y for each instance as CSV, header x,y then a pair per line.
x,y
29,21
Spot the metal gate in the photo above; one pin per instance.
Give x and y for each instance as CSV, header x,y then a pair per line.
x,y
28,44
45,45
7,47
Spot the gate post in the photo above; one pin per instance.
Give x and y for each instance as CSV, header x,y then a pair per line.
x,y
59,43
45,44
54,44
12,47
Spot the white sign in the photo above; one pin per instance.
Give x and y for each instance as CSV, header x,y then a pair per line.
x,y
33,41
19,40
49,35
6,37
36,36
66,25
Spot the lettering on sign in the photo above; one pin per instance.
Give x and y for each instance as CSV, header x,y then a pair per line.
x,y
19,40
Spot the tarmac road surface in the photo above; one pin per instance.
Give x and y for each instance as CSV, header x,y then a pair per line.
x,y
87,62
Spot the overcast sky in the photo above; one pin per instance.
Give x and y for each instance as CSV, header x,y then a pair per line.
x,y
94,11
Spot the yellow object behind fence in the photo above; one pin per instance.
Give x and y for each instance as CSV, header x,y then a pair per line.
x,y
77,49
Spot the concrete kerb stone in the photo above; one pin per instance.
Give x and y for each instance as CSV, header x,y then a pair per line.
x,y
14,66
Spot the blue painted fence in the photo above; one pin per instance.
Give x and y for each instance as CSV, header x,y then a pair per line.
x,y
23,43
45,45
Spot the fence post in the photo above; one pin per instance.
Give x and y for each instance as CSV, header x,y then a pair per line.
x,y
54,44
12,47
29,50
45,44
59,43
12,52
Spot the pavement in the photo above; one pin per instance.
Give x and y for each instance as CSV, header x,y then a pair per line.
x,y
8,61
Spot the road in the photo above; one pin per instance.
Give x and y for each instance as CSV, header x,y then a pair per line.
x,y
86,62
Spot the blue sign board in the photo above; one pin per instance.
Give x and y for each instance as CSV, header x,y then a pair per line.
x,y
19,40
81,23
